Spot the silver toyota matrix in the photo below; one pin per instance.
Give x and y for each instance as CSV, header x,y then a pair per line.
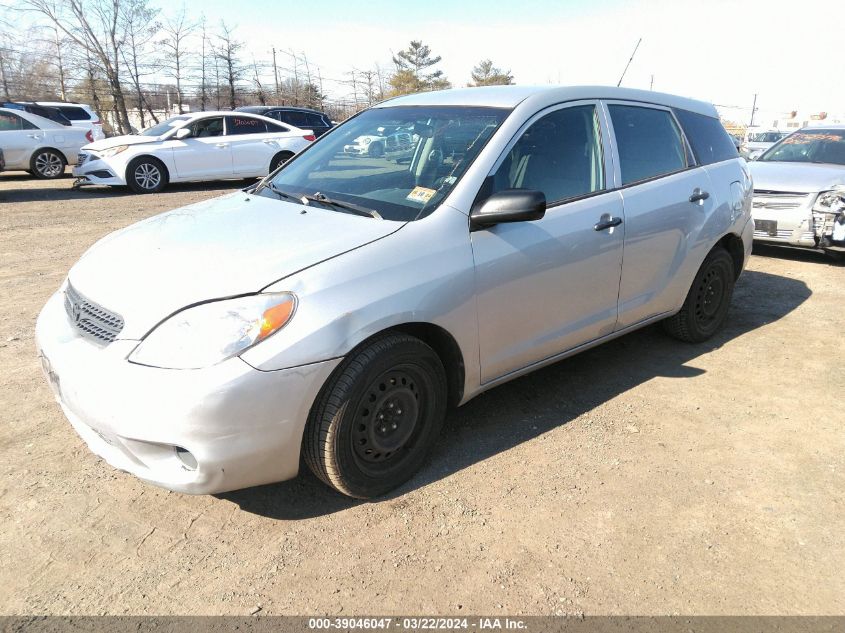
x,y
338,308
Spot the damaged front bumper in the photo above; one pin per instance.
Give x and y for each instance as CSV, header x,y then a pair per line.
x,y
805,220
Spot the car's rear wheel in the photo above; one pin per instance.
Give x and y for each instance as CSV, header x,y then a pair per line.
x,y
47,164
377,417
707,302
280,159
146,174
376,150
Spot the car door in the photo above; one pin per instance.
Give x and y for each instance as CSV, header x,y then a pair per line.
x,y
206,154
666,198
253,147
18,138
550,285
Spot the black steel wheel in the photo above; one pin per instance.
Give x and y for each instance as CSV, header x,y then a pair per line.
x,y
279,159
377,417
707,302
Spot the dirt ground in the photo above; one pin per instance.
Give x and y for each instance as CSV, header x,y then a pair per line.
x,y
643,477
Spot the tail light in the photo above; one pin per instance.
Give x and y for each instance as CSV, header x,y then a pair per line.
x,y
89,136
310,137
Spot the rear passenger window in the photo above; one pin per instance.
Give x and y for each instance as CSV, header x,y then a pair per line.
x,y
710,141
295,118
9,122
74,113
649,142
244,125
559,154
277,127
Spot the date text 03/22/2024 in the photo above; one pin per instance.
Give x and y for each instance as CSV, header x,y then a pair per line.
x,y
418,624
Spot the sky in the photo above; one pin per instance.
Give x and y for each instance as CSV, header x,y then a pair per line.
x,y
790,52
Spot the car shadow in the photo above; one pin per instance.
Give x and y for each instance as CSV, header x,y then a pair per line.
x,y
796,253
66,192
527,407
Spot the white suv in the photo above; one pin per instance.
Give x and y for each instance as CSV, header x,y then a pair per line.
x,y
80,115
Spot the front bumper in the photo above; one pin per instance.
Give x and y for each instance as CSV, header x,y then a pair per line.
x,y
92,170
204,431
355,150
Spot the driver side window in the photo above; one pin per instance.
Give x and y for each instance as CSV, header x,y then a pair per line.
x,y
560,154
207,127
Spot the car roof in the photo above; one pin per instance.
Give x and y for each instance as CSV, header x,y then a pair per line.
x,y
512,96
261,108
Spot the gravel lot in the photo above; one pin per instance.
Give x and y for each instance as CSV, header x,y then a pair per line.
x,y
642,477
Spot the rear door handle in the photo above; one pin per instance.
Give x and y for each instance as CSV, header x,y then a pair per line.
x,y
607,221
698,194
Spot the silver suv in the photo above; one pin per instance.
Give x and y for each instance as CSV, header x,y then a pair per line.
x,y
338,308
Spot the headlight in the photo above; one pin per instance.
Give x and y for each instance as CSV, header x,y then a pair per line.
x,y
832,201
212,332
111,151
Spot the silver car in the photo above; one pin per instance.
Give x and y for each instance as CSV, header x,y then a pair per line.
x,y
799,190
338,309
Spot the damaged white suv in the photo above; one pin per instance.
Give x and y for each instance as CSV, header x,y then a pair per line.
x,y
799,191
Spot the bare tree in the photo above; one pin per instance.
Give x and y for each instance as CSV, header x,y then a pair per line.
x,y
228,52
176,29
203,61
140,27
259,89
95,26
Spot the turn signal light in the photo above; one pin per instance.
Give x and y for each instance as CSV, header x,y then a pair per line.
x,y
274,318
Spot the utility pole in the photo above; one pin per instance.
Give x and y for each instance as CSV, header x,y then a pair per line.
x,y
619,83
651,85
276,75
753,110
295,78
60,64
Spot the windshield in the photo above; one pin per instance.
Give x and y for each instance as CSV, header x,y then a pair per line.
x,y
400,161
809,146
165,126
766,137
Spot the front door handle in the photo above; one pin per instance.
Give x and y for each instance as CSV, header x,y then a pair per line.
x,y
221,144
698,194
607,221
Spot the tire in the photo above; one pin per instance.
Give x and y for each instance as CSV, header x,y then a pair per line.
x,y
47,164
375,150
279,159
376,419
706,306
146,174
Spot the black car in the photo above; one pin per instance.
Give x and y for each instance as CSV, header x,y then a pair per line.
x,y
303,118
48,112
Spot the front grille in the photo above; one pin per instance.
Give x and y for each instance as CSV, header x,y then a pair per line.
x,y
778,200
92,320
785,235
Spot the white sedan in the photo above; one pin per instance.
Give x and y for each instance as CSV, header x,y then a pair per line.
x,y
191,147
38,145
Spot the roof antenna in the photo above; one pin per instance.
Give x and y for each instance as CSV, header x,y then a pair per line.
x,y
619,83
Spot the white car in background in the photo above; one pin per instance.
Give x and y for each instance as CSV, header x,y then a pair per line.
x,y
38,145
191,147
758,140
388,142
80,115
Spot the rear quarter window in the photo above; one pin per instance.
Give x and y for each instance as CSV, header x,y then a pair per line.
x,y
709,140
75,114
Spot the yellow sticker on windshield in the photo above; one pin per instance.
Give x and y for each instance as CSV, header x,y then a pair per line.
x,y
421,194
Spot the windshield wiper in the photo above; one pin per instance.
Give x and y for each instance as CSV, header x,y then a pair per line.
x,y
340,204
282,194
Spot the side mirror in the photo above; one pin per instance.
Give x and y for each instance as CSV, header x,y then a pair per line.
x,y
181,133
510,205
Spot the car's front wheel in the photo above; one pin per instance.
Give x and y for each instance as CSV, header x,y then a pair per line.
x,y
375,421
47,164
146,174
375,150
707,302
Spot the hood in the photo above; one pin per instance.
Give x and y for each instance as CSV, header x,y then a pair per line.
x,y
127,139
797,177
227,246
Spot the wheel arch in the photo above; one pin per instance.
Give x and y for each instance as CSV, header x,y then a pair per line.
x,y
736,249
140,156
444,345
52,149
